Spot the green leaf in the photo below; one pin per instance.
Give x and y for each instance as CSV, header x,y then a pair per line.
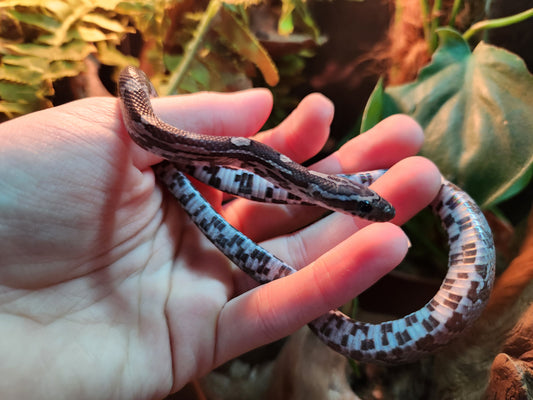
x,y
92,34
308,20
78,33
210,72
109,5
39,20
200,74
109,55
24,93
285,23
148,17
60,9
106,23
20,75
27,3
28,62
14,109
476,111
295,15
63,68
373,112
74,50
244,42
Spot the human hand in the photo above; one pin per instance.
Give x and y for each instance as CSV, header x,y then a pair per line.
x,y
107,290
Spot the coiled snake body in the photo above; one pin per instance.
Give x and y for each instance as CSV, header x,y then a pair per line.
x,y
252,170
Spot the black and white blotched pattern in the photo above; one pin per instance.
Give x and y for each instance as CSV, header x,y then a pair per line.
x,y
456,305
245,253
250,186
272,177
190,149
460,300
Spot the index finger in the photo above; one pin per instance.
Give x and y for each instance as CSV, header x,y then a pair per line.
x,y
220,114
390,141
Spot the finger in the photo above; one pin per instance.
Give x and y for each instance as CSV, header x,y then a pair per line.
x,y
299,137
226,117
261,221
220,114
410,185
304,132
394,138
277,309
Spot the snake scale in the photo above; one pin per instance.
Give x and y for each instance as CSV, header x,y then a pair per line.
x,y
249,169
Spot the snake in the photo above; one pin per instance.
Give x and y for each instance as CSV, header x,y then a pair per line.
x,y
247,168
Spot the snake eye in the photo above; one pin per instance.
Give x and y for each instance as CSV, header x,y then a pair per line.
x,y
365,206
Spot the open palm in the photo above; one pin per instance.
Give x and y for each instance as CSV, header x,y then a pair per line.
x,y
106,288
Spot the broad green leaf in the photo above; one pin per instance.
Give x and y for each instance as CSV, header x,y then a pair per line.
x,y
476,111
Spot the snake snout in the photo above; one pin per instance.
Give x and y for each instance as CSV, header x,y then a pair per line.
x,y
388,211
379,210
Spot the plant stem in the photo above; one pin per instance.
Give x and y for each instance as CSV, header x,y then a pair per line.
x,y
192,47
455,10
497,23
425,18
435,16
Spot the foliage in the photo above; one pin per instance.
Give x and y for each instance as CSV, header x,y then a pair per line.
x,y
475,108
470,103
187,48
44,41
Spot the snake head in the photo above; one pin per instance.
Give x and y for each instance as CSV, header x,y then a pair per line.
x,y
353,198
375,209
132,79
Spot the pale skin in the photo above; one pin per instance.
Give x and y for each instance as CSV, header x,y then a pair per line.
x,y
107,290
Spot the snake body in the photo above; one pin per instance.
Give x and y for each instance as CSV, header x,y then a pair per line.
x,y
252,170
191,149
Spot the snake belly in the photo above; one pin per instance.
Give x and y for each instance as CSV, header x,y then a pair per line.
x,y
459,301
